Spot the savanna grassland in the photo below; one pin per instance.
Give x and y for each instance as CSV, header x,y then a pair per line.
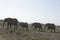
x,y
30,34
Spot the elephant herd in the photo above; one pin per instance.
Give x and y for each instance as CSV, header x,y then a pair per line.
x,y
14,22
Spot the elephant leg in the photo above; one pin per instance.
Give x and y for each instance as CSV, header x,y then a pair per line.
x,y
8,26
45,28
23,28
27,28
51,30
54,30
3,24
39,29
35,28
16,27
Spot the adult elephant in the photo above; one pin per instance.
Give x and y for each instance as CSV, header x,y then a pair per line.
x,y
23,25
6,20
37,25
10,21
50,26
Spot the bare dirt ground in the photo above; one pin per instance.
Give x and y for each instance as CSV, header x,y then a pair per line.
x,y
29,35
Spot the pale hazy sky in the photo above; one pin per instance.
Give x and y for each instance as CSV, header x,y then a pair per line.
x,y
43,11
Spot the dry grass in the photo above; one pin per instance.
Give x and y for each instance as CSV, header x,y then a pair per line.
x,y
31,35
